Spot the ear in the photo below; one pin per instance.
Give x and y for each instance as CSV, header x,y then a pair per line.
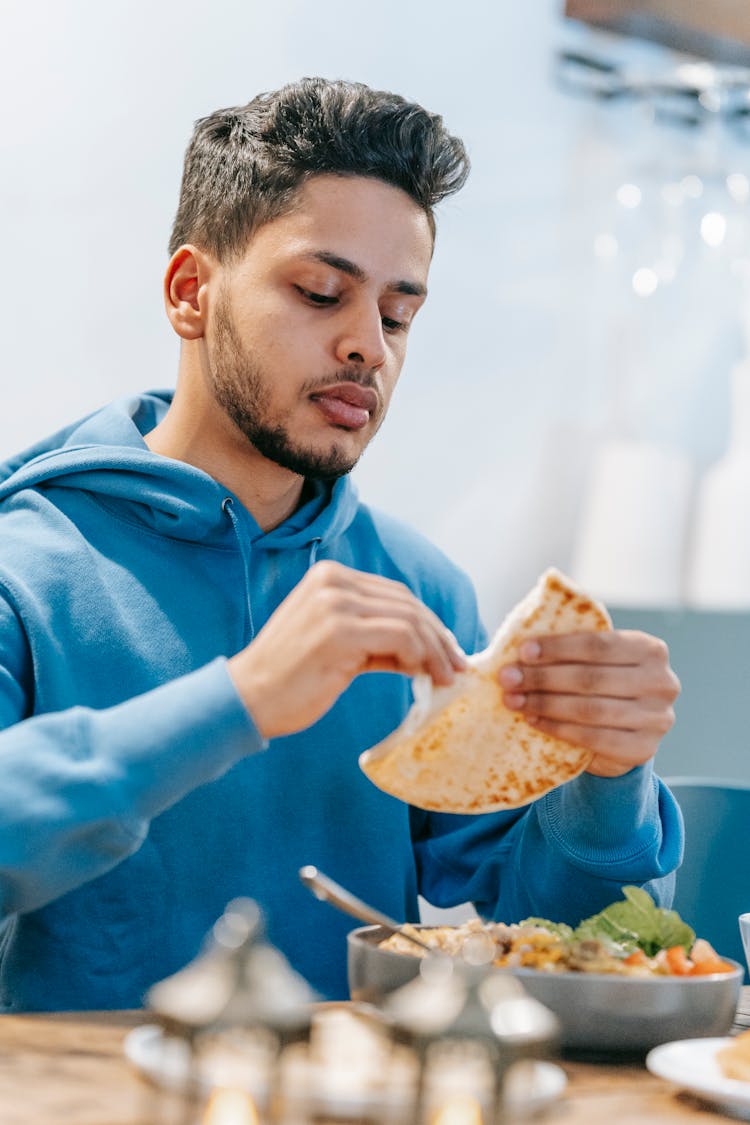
x,y
185,291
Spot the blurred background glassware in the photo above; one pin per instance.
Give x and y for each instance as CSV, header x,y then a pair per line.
x,y
716,29
744,924
692,93
678,230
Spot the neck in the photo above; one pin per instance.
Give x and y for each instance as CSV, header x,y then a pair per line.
x,y
197,431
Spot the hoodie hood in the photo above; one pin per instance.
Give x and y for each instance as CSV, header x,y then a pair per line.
x,y
105,454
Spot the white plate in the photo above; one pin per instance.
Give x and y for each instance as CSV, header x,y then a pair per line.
x,y
691,1064
531,1085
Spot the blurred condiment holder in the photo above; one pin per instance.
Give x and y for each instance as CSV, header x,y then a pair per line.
x,y
234,1010
254,1046
469,1030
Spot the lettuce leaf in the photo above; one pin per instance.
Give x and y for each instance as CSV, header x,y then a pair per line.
x,y
637,923
560,928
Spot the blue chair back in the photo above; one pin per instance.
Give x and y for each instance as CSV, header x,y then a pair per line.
x,y
713,883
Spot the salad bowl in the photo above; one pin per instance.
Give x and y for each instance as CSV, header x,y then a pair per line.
x,y
600,1011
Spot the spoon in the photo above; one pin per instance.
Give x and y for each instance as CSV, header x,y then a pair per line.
x,y
327,891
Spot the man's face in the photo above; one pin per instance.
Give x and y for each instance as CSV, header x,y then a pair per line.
x,y
308,332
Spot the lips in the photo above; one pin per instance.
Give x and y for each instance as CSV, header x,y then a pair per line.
x,y
346,404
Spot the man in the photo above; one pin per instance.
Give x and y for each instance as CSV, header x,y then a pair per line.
x,y
191,591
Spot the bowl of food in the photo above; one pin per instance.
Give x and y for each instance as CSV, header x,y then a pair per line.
x,y
626,979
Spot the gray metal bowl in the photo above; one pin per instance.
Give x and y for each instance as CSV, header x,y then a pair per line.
x,y
598,1012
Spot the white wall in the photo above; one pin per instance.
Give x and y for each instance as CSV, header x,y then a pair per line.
x,y
516,358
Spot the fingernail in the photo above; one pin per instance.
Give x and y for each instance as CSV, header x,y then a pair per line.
x,y
530,650
511,677
515,702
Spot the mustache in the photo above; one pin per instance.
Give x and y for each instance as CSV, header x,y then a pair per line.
x,y
344,375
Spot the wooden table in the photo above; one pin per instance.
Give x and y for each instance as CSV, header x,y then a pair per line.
x,y
69,1069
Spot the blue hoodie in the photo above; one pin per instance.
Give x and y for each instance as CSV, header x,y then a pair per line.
x,y
136,795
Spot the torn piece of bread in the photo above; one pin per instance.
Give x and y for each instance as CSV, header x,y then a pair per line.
x,y
734,1058
459,748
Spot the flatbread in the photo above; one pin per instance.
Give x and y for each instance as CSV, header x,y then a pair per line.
x,y
459,748
734,1057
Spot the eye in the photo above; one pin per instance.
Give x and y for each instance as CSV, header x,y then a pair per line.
x,y
396,314
320,299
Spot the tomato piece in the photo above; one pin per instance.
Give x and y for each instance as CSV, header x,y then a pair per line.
x,y
705,968
637,957
678,961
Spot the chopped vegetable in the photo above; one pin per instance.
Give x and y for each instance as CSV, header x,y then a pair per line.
x,y
678,962
637,923
636,960
560,928
634,937
706,960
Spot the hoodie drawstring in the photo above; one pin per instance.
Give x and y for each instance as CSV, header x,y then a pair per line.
x,y
314,546
227,506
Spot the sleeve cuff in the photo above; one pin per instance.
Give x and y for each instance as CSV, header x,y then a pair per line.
x,y
598,821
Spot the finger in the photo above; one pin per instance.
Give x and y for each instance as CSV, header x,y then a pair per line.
x,y
624,682
333,574
621,647
402,648
366,600
649,716
385,592
643,681
626,748
427,624
584,710
446,649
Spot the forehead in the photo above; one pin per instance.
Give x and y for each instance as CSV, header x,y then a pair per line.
x,y
365,221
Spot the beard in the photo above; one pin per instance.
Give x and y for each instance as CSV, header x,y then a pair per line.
x,y
243,390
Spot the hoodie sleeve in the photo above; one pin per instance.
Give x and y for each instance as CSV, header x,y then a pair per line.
x,y
564,857
81,786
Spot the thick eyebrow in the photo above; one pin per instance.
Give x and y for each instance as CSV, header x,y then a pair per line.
x,y
410,288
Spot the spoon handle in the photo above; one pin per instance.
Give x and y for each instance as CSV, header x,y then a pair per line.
x,y
327,891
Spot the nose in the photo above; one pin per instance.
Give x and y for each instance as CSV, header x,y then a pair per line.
x,y
361,339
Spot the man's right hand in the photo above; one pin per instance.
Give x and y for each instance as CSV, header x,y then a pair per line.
x,y
335,624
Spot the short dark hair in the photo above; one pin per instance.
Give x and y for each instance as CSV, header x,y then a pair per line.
x,y
244,165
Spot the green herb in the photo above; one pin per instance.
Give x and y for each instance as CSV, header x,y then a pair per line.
x,y
633,923
637,923
560,928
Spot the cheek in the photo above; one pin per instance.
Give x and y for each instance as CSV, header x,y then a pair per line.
x,y
284,333
388,382
394,366
267,337
288,359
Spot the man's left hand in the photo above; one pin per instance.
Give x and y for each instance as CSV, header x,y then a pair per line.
x,y
612,692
